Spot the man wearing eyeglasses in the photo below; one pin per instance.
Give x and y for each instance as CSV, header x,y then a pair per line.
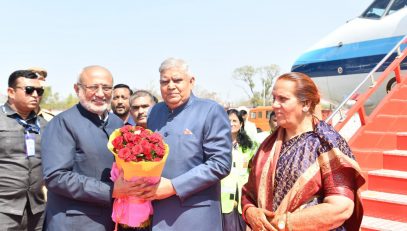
x,y
76,161
22,201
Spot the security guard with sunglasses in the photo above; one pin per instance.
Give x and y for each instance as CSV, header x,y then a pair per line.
x,y
42,75
22,201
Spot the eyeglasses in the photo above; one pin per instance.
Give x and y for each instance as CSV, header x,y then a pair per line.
x,y
30,89
95,88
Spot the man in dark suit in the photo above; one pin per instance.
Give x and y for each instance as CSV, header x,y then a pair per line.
x,y
22,201
76,161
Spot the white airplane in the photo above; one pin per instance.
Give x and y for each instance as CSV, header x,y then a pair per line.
x,y
342,59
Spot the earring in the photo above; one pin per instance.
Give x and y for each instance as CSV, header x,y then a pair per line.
x,y
305,109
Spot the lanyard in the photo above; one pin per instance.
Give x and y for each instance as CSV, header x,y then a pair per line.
x,y
28,128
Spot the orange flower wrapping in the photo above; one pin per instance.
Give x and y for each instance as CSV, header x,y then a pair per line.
x,y
139,153
140,169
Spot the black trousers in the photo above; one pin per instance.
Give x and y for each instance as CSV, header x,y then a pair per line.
x,y
233,221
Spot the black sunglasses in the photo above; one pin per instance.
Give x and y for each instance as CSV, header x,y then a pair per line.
x,y
29,90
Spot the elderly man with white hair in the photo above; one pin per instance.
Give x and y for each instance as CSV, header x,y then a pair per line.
x,y
76,160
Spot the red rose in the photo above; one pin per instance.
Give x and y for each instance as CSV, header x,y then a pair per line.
x,y
137,149
148,156
155,138
130,145
159,151
126,128
138,144
128,137
118,142
145,133
147,150
125,154
136,139
144,142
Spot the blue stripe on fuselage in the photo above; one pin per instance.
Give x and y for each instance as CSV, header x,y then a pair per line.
x,y
355,58
349,66
348,51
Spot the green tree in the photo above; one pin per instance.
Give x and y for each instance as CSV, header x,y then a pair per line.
x,y
267,75
246,74
264,75
51,101
256,100
70,101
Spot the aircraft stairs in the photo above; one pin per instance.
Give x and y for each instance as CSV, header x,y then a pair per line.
x,y
380,148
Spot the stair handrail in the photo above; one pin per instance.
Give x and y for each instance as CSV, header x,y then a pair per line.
x,y
358,106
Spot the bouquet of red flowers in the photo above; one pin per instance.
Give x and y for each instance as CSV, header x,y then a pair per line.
x,y
139,153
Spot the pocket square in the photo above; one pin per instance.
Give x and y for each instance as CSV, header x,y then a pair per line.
x,y
187,132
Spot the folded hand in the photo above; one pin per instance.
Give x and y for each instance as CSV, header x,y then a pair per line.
x,y
137,187
143,188
162,190
259,219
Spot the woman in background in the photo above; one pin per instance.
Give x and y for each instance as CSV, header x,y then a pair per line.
x,y
231,186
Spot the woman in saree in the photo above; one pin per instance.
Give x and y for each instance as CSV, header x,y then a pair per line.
x,y
304,176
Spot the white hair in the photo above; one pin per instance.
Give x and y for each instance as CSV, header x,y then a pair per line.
x,y
87,68
175,63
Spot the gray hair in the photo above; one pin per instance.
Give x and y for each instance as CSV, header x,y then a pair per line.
x,y
143,93
175,63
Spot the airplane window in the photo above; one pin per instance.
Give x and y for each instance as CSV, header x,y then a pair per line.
x,y
376,9
397,5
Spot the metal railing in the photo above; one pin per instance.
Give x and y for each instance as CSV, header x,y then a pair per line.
x,y
359,105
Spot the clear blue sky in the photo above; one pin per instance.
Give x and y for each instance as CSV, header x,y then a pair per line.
x,y
132,38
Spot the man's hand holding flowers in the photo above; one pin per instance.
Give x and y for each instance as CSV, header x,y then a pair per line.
x,y
143,189
163,189
140,157
130,188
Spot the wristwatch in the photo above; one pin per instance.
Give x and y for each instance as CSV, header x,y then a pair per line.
x,y
281,223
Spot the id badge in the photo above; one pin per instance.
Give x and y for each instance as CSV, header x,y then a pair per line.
x,y
29,144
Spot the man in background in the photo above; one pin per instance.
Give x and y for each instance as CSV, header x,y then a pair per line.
x,y
140,102
249,127
42,75
120,103
22,201
261,136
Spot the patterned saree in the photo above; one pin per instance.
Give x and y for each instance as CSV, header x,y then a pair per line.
x,y
298,173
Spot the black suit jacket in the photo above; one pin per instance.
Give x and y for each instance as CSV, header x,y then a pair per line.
x,y
76,166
